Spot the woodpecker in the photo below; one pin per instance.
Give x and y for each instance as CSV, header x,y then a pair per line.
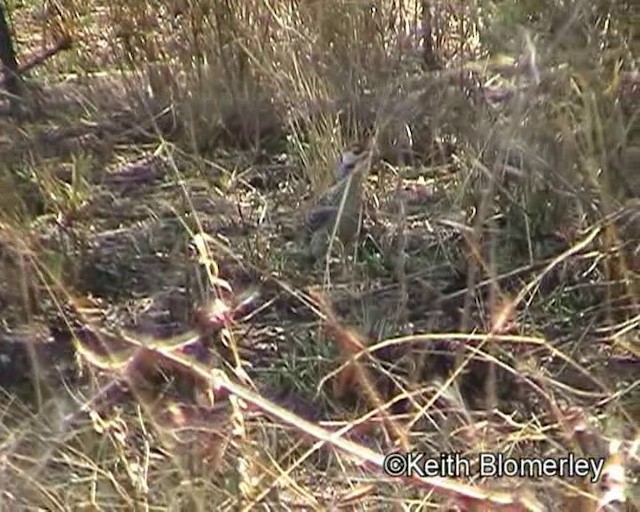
x,y
340,204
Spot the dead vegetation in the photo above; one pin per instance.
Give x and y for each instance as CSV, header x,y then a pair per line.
x,y
165,342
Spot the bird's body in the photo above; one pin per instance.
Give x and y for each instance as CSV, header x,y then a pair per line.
x,y
339,208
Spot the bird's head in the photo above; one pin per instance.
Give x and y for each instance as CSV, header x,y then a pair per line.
x,y
348,161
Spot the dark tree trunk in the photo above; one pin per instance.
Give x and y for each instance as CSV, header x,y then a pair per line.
x,y
8,56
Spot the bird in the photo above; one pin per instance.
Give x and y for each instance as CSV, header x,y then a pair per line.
x,y
339,205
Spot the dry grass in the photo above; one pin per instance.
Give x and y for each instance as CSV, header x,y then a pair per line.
x,y
166,345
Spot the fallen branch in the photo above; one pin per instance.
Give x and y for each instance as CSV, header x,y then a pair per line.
x,y
64,43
